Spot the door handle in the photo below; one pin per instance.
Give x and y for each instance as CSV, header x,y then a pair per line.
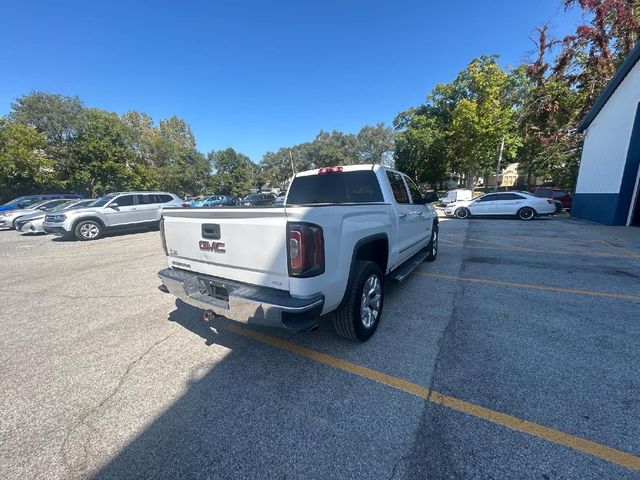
x,y
402,215
420,212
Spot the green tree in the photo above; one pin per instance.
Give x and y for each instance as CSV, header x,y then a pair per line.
x,y
276,166
461,126
103,159
233,173
179,132
144,134
482,118
172,151
330,149
420,148
376,144
24,165
58,117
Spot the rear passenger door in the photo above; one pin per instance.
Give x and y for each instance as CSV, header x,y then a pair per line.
x,y
508,204
423,213
149,206
409,226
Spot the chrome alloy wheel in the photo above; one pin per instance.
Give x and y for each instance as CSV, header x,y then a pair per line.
x,y
89,230
370,301
526,213
434,243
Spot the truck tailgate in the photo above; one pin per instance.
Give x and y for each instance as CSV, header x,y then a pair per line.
x,y
243,244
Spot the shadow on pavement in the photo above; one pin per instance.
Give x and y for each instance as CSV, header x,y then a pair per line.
x,y
263,413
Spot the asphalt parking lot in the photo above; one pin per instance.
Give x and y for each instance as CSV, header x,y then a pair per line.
x,y
514,355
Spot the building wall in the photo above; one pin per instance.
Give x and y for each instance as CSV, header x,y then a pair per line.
x,y
604,155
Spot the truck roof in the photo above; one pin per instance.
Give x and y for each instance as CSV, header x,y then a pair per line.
x,y
346,168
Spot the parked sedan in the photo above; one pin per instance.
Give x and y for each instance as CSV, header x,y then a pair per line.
x,y
33,223
258,199
520,204
215,201
9,217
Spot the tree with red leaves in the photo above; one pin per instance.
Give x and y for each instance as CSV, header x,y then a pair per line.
x,y
594,52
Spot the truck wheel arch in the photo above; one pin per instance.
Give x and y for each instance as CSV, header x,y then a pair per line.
x,y
374,248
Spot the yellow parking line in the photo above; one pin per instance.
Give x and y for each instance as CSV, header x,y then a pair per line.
x,y
524,249
531,286
603,452
528,238
629,253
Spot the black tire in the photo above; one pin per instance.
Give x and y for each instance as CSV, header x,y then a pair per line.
x,y
462,213
347,320
526,213
88,230
432,246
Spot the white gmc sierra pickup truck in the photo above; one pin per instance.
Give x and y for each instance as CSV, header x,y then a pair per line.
x,y
341,231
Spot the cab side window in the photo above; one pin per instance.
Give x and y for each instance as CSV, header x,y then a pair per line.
x,y
125,201
397,186
416,196
145,199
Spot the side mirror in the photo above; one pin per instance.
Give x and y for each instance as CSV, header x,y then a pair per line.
x,y
113,205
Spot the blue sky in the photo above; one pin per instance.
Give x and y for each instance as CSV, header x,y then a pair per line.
x,y
253,75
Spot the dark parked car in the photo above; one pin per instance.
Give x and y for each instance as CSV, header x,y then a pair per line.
x,y
27,200
230,201
556,194
256,199
279,201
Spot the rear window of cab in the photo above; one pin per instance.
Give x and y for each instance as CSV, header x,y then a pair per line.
x,y
360,186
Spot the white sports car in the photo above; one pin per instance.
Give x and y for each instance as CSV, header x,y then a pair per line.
x,y
519,204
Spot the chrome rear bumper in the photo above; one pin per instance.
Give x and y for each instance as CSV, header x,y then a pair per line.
x,y
243,303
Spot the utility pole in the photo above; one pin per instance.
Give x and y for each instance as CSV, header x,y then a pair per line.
x,y
293,169
495,187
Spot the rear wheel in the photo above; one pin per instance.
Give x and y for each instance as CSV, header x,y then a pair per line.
x,y
432,247
462,213
359,316
526,213
88,230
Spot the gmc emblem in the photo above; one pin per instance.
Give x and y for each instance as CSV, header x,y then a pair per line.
x,y
217,247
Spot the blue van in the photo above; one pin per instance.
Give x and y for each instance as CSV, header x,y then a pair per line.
x,y
26,200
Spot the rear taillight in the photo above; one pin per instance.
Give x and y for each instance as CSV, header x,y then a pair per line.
x,y
305,249
184,205
551,202
163,239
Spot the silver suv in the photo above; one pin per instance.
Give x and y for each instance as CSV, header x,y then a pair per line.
x,y
116,211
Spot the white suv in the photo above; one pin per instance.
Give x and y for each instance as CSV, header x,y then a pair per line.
x,y
115,211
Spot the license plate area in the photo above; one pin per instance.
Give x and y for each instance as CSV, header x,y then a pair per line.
x,y
214,289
